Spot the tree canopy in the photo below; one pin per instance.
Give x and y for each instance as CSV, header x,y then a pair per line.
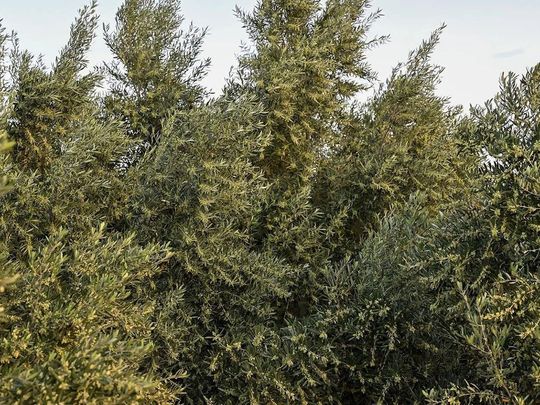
x,y
312,234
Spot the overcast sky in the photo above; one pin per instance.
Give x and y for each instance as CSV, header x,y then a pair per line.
x,y
483,37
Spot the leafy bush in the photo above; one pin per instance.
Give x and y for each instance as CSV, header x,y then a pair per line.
x,y
279,243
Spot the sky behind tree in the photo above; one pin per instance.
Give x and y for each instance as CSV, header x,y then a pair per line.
x,y
483,38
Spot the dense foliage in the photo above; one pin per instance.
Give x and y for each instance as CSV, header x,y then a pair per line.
x,y
281,242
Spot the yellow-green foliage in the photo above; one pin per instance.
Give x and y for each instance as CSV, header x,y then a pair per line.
x,y
47,104
79,323
401,141
156,70
7,278
277,244
306,61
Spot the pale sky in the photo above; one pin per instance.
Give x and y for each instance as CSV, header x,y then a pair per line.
x,y
483,39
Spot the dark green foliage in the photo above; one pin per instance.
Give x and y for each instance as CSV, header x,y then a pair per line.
x,y
487,257
280,243
202,182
